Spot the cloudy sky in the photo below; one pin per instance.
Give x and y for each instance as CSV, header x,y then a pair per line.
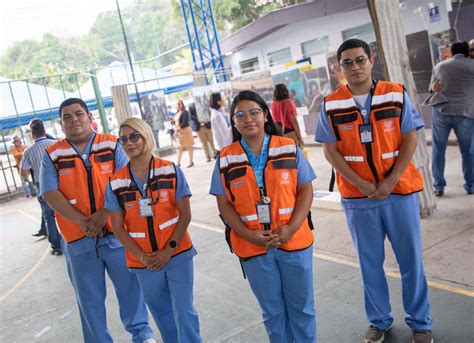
x,y
30,19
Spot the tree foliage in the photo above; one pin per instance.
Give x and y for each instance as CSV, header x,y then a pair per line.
x,y
152,28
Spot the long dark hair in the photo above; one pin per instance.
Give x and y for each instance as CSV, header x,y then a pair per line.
x,y
269,126
214,100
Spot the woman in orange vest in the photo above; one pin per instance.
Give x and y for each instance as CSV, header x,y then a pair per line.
x,y
263,187
148,201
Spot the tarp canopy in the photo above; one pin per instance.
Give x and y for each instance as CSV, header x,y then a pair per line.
x,y
31,100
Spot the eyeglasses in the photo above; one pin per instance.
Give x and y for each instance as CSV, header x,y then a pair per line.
x,y
361,61
253,113
133,138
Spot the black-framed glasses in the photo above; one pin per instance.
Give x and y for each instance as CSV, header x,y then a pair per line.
x,y
133,138
348,64
253,113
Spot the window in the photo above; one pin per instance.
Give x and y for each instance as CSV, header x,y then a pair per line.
x,y
315,47
279,57
249,65
365,32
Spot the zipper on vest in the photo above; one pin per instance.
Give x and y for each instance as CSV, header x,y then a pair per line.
x,y
149,220
368,146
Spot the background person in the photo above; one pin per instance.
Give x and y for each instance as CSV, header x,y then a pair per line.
x,y
17,150
220,123
162,261
284,114
266,199
454,78
183,132
204,132
32,158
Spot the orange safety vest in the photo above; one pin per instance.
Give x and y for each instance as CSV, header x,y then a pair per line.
x,y
83,188
371,161
150,233
280,185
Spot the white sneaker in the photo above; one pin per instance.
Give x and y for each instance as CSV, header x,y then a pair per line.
x,y
149,340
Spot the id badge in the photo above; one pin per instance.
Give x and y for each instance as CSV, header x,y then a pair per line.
x,y
365,131
264,214
144,205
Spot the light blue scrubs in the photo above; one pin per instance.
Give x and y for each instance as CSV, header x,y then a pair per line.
x,y
397,218
169,291
282,281
87,272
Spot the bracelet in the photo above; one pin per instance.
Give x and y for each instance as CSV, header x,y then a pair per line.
x,y
141,257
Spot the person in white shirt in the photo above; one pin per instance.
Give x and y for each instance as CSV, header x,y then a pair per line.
x,y
220,123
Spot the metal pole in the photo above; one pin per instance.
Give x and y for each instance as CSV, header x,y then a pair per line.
x,y
100,103
50,109
129,58
216,39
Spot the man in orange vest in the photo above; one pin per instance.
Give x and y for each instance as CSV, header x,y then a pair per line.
x,y
368,130
73,178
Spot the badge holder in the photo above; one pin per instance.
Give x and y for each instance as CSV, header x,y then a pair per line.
x,y
264,213
145,206
365,132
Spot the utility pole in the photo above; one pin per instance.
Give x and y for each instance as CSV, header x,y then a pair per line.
x,y
393,54
129,58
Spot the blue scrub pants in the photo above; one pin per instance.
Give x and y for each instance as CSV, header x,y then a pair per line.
x,y
169,296
399,220
283,285
87,274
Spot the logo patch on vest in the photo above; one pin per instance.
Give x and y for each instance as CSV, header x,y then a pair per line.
x,y
164,196
128,205
347,127
285,177
388,126
64,172
106,168
238,184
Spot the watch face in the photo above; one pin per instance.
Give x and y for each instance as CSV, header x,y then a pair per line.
x,y
172,244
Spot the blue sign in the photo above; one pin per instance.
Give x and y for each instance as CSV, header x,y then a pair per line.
x,y
434,14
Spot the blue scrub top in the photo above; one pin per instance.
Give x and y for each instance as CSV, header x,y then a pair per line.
x,y
305,174
182,190
411,120
49,182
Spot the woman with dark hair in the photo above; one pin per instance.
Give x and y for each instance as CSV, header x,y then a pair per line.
x,y
284,114
263,187
184,134
219,121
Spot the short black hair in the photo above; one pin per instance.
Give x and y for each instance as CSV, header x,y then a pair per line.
x,y
353,43
72,101
37,129
214,100
269,127
460,48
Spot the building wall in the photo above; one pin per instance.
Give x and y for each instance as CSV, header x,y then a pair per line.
x,y
332,26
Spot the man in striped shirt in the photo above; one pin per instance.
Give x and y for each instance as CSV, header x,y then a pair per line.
x,y
32,158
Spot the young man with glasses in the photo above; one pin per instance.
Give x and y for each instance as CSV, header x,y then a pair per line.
x,y
368,130
73,178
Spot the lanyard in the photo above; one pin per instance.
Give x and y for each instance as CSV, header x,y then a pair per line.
x,y
258,163
145,184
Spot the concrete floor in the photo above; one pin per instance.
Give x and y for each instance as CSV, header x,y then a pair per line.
x,y
37,302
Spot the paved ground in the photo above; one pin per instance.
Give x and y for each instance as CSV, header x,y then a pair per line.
x,y
37,303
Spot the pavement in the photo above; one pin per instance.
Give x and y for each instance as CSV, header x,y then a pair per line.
x,y
37,302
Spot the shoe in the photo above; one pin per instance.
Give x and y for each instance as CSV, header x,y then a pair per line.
x,y
39,234
149,340
191,165
439,193
375,335
56,252
422,336
208,159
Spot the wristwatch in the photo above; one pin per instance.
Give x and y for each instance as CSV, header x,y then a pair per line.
x,y
172,244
